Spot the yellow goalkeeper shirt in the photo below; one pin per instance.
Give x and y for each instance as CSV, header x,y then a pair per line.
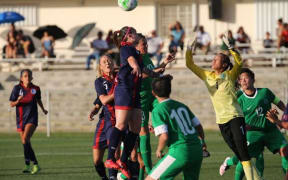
x,y
221,88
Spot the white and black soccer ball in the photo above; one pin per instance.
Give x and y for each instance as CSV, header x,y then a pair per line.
x,y
128,5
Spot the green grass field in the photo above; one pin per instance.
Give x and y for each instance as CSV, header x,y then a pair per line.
x,y
68,156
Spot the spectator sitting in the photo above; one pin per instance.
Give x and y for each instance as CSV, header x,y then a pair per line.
x,y
284,37
47,43
267,42
99,46
172,46
230,39
242,38
179,34
155,45
25,45
10,48
109,40
279,30
203,40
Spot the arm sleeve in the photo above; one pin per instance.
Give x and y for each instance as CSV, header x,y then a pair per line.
x,y
158,122
97,101
14,94
150,73
38,94
237,65
272,97
100,89
201,73
125,53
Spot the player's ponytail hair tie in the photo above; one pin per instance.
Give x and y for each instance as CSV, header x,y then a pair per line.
x,y
226,60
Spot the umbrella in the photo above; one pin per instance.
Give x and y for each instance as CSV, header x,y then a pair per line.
x,y
10,17
81,34
52,30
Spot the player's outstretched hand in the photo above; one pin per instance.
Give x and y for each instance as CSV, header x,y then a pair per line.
x,y
170,58
226,41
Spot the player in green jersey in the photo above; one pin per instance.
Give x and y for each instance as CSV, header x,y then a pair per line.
x,y
178,128
147,100
255,103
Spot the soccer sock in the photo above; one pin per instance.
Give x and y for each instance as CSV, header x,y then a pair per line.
x,y
141,173
250,171
284,164
112,174
129,144
114,140
239,172
145,149
260,164
26,154
32,154
232,161
134,169
100,169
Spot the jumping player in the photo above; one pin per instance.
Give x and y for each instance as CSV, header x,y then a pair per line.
x,y
229,116
25,96
255,103
178,128
127,99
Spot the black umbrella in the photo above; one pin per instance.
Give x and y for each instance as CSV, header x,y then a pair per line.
x,y
81,33
52,30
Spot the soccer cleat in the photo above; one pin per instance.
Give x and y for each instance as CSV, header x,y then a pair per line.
x,y
26,169
224,167
111,164
35,169
124,169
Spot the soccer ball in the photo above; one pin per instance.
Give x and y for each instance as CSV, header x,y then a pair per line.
x,y
127,5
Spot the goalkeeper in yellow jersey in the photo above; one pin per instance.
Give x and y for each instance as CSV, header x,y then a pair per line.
x,y
229,116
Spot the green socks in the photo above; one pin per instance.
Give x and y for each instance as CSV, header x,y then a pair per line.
x,y
145,149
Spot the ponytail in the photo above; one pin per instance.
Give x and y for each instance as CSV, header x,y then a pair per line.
x,y
121,35
226,60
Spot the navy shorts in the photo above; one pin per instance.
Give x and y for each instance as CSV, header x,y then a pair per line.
x,y
126,98
22,123
102,134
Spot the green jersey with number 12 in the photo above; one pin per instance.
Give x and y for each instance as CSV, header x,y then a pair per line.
x,y
177,120
256,107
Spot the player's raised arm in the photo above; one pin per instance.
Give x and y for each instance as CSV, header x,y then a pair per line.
x,y
201,73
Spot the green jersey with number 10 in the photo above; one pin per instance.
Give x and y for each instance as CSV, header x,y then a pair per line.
x,y
175,119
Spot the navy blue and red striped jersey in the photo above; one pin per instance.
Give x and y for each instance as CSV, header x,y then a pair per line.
x,y
27,107
125,78
105,86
